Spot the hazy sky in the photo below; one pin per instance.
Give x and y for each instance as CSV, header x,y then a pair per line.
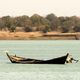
x,y
41,7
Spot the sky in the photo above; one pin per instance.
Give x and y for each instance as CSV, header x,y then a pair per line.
x,y
41,7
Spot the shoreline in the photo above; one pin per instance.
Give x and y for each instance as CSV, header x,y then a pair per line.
x,y
38,36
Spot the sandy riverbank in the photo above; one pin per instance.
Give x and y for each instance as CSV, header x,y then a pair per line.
x,y
38,36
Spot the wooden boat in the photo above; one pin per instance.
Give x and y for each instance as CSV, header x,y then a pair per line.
x,y
21,60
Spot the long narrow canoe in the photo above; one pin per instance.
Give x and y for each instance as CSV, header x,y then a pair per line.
x,y
21,60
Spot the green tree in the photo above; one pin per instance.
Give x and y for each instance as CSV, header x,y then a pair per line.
x,y
8,22
40,22
36,20
2,24
67,24
23,21
54,22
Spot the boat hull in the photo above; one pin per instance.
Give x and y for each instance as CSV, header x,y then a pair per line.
x,y
21,60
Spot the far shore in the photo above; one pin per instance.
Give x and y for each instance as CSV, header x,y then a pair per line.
x,y
38,36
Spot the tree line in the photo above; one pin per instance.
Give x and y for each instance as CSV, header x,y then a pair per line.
x,y
39,23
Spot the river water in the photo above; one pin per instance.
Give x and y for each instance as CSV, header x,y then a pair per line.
x,y
39,49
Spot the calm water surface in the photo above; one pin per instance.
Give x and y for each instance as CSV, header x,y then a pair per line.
x,y
39,49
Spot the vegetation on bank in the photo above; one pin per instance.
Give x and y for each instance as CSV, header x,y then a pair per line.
x,y
39,23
